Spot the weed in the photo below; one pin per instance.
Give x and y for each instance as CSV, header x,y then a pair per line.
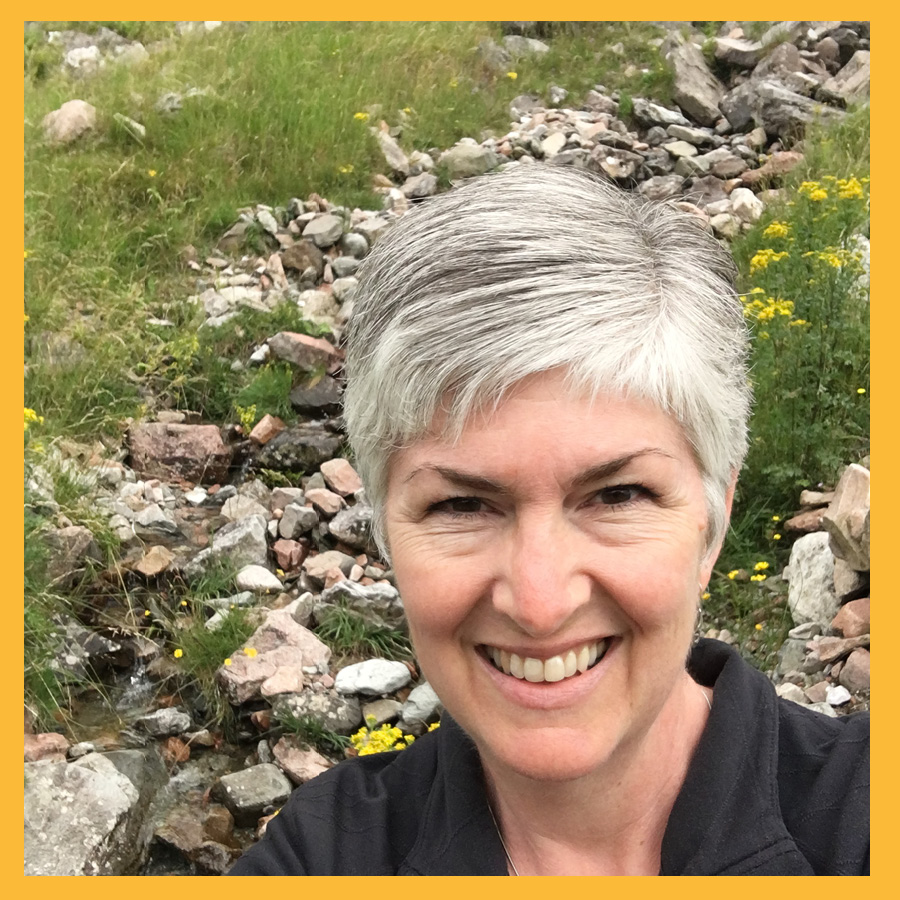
x,y
313,733
348,634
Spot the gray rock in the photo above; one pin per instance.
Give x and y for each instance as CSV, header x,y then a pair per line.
x,y
696,90
344,266
320,398
790,656
422,707
344,288
371,228
648,113
805,632
267,220
661,187
296,521
353,526
341,715
725,226
494,56
680,149
71,549
468,160
696,136
738,105
524,46
258,579
372,677
354,245
418,186
382,711
242,542
300,448
783,61
165,722
786,114
824,708
793,692
378,603
737,52
811,594
316,567
393,155
241,506
325,230
253,792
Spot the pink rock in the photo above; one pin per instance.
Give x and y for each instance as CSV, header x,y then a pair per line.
x,y
323,501
298,763
855,673
265,429
341,477
286,680
853,618
333,576
192,453
831,649
845,518
45,746
816,692
155,561
289,554
806,522
302,351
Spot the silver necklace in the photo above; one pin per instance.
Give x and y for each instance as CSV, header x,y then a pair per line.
x,y
509,859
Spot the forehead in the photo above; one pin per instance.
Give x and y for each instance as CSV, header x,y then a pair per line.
x,y
540,424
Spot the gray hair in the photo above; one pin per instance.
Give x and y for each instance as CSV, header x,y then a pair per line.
x,y
536,268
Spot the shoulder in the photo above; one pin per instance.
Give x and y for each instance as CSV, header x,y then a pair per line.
x,y
361,817
823,784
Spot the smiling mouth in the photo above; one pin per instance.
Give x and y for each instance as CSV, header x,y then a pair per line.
x,y
558,668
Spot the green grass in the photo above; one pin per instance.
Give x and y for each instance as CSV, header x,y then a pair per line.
x,y
313,734
349,635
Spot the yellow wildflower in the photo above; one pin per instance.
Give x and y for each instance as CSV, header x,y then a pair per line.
x,y
178,653
849,188
776,518
794,323
250,651
345,170
860,390
32,416
733,574
361,116
777,230
758,626
759,577
146,612
407,109
705,595
776,537
434,725
151,173
454,83
760,566
27,254
512,76
227,662
762,258
184,602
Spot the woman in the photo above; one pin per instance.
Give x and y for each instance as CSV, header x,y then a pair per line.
x,y
547,398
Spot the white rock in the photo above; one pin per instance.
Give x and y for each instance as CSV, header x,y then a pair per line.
x,y
837,695
257,578
196,497
746,205
372,677
811,594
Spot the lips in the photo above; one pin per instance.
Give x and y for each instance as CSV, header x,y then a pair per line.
x,y
570,664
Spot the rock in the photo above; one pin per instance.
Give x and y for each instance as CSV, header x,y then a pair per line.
x,y
285,680
174,751
855,673
831,649
493,55
165,722
524,46
284,496
790,656
48,746
853,619
696,136
243,543
846,580
746,205
837,695
740,53
811,594
299,448
253,792
324,230
852,82
321,397
738,105
552,144
154,562
785,114
805,522
354,244
422,707
648,113
817,692
280,642
341,715
845,519
289,554
316,567
257,579
303,255
371,228
382,711
83,818
372,677
71,549
66,124
392,153
679,149
378,604
781,62
192,453
297,520
823,708
341,477
353,526
696,90
325,502
301,350
806,631
155,521
265,429
661,187
239,507
468,160
299,763
816,498
792,692
725,225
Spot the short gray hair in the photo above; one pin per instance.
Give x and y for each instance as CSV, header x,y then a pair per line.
x,y
536,268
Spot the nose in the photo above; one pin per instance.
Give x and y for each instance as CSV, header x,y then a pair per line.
x,y
542,575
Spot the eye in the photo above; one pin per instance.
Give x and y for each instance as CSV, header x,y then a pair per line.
x,y
458,506
622,494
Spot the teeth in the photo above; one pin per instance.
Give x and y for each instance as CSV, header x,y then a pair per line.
x,y
554,669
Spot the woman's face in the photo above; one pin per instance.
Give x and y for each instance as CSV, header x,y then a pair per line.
x,y
555,532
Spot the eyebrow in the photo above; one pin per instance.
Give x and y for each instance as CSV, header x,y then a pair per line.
x,y
595,473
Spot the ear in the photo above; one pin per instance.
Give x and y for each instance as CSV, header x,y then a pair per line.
x,y
713,554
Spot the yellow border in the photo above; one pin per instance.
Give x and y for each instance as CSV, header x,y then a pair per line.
x,y
884,320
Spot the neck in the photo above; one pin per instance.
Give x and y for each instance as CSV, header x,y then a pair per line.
x,y
611,821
